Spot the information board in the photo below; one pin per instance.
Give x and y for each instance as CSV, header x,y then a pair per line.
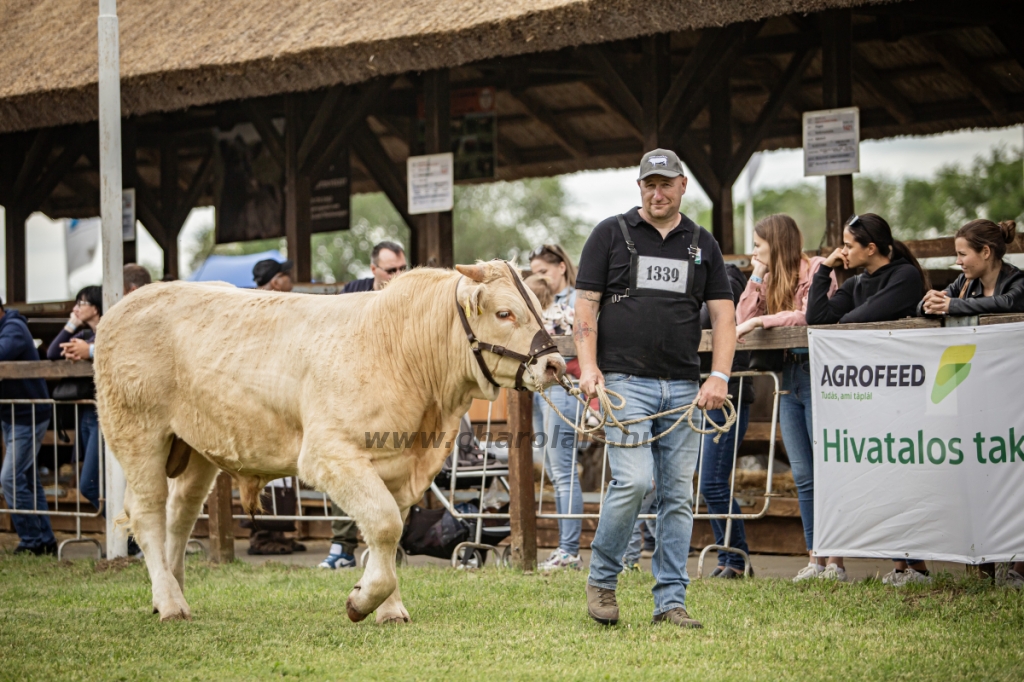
x,y
430,183
832,142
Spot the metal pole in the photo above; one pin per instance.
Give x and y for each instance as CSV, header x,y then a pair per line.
x,y
113,249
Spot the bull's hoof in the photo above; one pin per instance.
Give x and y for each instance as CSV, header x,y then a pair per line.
x,y
175,615
353,614
396,620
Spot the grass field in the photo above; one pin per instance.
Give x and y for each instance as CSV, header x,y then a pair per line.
x,y
91,621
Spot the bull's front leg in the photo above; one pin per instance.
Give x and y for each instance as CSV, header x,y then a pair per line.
x,y
392,610
354,484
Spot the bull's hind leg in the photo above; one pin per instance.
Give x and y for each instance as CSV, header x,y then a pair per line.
x,y
188,492
355,486
144,461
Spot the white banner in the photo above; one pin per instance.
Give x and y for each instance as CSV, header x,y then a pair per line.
x,y
919,443
81,239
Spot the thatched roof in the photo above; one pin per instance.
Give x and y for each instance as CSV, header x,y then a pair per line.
x,y
182,53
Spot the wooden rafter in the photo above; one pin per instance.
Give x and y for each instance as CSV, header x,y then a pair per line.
x,y
710,42
73,150
200,181
260,120
627,103
384,171
976,79
884,90
35,158
612,110
344,125
568,140
321,119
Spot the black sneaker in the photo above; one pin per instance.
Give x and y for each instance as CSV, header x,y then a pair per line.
x,y
47,549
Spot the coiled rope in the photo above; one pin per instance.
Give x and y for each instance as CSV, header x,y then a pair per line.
x,y
607,416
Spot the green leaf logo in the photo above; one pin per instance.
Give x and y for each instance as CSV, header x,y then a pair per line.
x,y
954,367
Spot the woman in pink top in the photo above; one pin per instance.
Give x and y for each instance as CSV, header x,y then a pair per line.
x,y
776,296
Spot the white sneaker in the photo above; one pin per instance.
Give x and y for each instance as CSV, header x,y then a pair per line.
x,y
811,570
834,572
560,559
900,578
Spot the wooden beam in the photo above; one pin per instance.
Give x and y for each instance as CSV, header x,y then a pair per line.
x,y
15,256
352,116
222,526
568,140
436,246
1010,38
296,195
522,501
168,175
720,110
612,110
323,116
35,159
788,84
837,92
883,89
389,176
696,159
200,181
653,82
260,119
975,78
36,194
621,93
718,64
43,369
149,212
710,42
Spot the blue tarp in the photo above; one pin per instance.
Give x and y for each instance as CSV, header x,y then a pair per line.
x,y
235,270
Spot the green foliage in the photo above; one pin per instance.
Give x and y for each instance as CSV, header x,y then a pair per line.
x,y
70,621
508,219
804,202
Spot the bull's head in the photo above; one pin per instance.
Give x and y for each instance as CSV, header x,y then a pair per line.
x,y
500,318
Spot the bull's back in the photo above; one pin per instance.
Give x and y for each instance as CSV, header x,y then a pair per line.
x,y
226,369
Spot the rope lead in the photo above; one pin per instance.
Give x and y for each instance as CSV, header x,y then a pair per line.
x,y
607,416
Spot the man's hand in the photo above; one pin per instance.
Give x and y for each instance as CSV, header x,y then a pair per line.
x,y
936,303
590,379
75,349
837,258
713,393
747,327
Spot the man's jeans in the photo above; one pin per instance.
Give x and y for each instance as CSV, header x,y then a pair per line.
x,y
715,476
558,449
636,543
795,421
670,462
17,476
89,435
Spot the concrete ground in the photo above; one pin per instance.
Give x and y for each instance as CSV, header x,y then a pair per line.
x,y
765,565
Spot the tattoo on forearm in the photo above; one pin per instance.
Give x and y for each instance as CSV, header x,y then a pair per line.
x,y
583,330
591,296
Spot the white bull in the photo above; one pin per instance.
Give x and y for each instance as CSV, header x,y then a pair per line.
x,y
192,379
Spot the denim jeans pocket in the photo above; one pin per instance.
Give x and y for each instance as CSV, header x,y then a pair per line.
x,y
617,378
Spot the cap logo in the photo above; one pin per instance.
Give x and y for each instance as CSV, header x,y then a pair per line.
x,y
658,161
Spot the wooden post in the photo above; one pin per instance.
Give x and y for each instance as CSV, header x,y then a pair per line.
x,y
523,515
169,202
435,244
720,109
837,91
129,165
654,81
14,243
222,526
296,192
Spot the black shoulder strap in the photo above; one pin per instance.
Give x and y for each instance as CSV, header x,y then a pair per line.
x,y
625,235
695,244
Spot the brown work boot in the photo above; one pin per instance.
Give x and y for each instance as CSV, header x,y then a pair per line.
x,y
677,616
601,605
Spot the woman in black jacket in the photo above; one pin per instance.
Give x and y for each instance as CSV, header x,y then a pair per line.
x,y
987,285
889,288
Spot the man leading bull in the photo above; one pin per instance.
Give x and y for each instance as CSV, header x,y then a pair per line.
x,y
648,271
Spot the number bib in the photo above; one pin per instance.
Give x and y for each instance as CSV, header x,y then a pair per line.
x,y
666,274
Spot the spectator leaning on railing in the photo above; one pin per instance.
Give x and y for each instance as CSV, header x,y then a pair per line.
x,y
776,296
987,284
19,474
888,289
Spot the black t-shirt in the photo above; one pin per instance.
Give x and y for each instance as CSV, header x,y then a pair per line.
x,y
650,336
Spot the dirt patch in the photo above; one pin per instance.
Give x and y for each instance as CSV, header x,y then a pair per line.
x,y
115,565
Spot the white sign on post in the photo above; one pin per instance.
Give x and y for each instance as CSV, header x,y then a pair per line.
x,y
832,142
128,215
918,443
431,183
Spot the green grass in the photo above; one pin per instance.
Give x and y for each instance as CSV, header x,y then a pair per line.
x,y
72,621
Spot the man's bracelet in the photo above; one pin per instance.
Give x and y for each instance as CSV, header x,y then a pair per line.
x,y
723,377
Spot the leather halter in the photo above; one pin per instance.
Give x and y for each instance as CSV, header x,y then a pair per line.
x,y
541,345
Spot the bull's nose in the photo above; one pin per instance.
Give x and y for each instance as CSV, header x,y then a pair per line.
x,y
556,364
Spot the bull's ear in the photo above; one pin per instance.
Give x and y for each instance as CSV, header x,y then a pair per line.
x,y
477,272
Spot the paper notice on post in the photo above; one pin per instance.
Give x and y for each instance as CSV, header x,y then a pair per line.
x,y
431,183
832,142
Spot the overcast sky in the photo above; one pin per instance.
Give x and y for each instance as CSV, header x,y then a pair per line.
x,y
595,196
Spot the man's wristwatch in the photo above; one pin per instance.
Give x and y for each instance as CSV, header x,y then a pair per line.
x,y
723,377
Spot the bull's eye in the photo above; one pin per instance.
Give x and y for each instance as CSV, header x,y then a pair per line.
x,y
504,315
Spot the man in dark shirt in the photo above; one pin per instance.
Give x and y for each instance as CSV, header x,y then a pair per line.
x,y
386,260
648,272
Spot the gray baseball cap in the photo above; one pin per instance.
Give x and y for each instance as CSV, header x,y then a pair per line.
x,y
661,162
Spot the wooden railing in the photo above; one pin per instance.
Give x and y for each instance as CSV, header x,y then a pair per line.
x,y
520,421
